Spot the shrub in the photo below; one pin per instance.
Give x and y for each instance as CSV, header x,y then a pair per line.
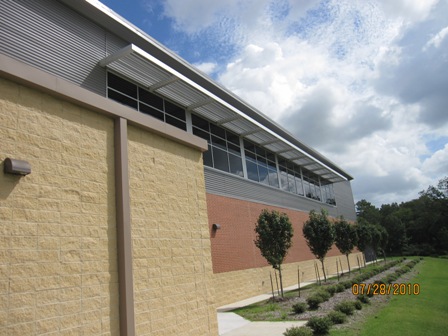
x,y
347,284
379,282
346,307
324,294
314,301
331,290
320,325
363,298
357,304
299,308
337,317
298,331
340,288
391,278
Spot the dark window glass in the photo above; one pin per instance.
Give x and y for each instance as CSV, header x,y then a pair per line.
x,y
284,180
216,130
221,143
122,85
220,159
176,122
260,151
292,184
282,162
273,178
270,156
282,168
234,139
252,171
272,165
233,149
263,175
208,159
299,185
261,161
236,165
175,110
150,99
199,122
251,155
306,187
151,111
324,194
146,102
249,146
201,133
122,99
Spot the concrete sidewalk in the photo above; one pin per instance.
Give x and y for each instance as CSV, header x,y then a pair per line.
x,y
256,328
231,324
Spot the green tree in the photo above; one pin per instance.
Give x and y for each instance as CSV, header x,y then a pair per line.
x,y
345,238
364,236
384,239
274,234
397,234
319,235
367,211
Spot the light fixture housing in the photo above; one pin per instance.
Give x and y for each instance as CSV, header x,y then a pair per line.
x,y
17,167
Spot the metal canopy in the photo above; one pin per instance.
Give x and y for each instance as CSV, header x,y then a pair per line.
x,y
136,64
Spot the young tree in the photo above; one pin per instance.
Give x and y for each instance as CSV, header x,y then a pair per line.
x,y
274,238
384,238
345,237
364,236
319,235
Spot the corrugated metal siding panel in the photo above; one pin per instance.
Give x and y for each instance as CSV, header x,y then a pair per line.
x,y
344,200
220,183
52,37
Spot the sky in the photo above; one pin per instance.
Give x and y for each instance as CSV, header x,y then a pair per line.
x,y
363,82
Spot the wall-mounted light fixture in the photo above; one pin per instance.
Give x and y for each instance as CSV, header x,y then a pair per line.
x,y
216,227
17,167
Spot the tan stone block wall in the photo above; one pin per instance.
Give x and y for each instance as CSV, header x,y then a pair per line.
x,y
173,281
58,270
239,285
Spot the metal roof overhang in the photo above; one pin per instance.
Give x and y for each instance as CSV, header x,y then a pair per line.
x,y
146,70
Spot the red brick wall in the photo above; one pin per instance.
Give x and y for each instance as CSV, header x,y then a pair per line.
x,y
233,245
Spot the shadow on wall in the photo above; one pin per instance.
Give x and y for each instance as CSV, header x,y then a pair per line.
x,y
7,182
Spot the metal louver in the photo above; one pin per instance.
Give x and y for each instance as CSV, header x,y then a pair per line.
x,y
148,71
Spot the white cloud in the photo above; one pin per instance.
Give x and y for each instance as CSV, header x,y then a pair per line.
x,y
194,16
408,10
206,67
348,78
437,164
436,41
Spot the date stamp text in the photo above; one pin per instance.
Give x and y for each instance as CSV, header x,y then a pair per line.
x,y
386,289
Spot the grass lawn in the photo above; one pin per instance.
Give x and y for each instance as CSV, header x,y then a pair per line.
x,y
423,314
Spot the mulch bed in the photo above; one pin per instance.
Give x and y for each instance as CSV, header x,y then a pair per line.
x,y
347,295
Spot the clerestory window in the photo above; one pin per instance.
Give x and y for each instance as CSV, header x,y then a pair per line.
x,y
224,151
134,96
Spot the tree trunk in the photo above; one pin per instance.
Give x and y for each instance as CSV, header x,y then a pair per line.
x,y
348,263
323,270
281,279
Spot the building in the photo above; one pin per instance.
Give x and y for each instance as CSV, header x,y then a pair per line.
x,y
146,180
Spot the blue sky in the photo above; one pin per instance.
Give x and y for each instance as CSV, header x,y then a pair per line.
x,y
363,82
